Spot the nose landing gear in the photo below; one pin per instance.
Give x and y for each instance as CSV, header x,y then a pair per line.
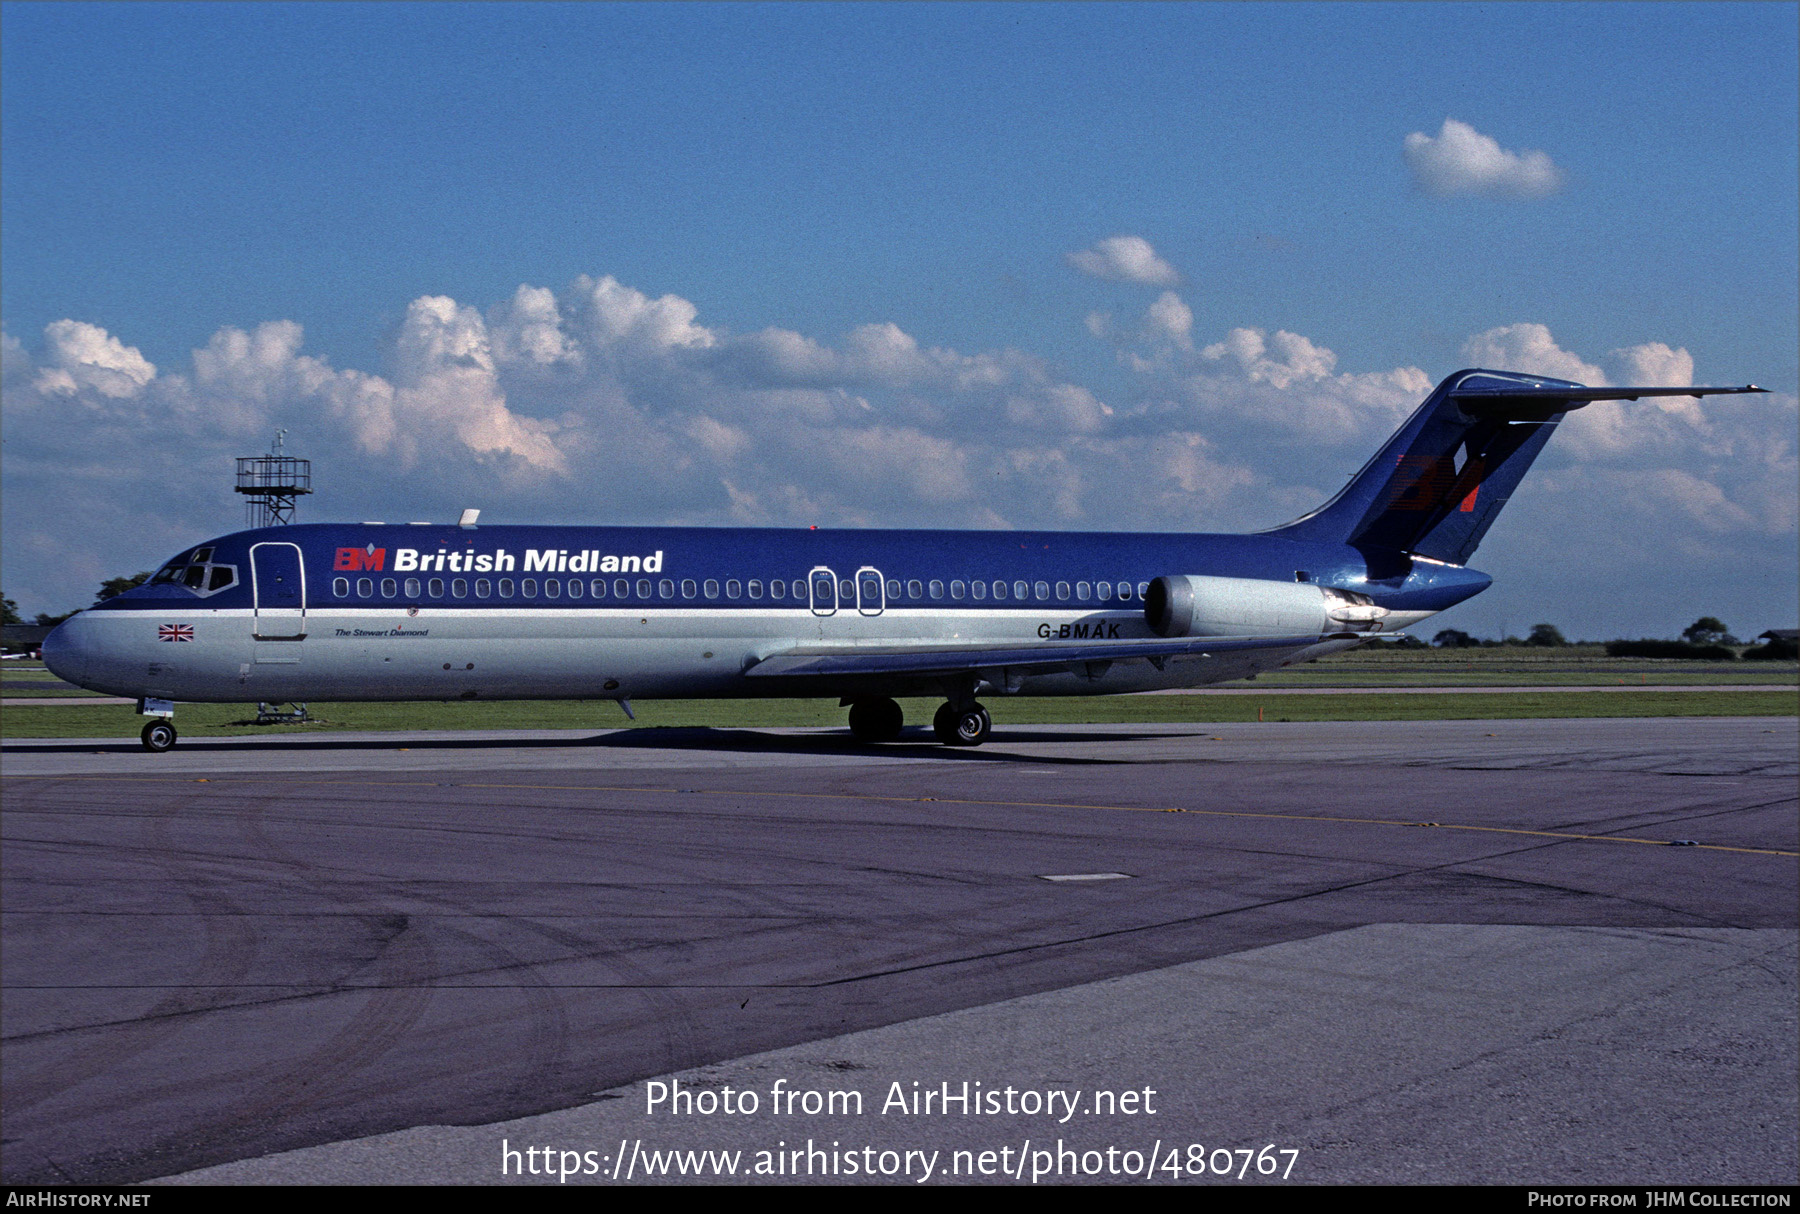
x,y
159,730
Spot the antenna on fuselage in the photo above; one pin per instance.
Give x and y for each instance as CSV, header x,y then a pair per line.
x,y
271,483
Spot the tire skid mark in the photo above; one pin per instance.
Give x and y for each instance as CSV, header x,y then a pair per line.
x,y
230,947
385,1016
404,971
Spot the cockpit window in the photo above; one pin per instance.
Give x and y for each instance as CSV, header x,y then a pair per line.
x,y
197,572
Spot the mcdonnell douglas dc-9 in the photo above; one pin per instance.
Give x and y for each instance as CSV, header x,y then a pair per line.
x,y
470,612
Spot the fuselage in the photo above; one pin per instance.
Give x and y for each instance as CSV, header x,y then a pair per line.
x,y
444,612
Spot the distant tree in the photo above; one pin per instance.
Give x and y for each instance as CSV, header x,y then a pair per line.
x,y
1547,636
9,611
113,587
1670,649
1778,649
46,620
1707,630
1454,638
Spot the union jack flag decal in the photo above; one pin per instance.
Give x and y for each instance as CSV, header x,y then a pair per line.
x,y
175,632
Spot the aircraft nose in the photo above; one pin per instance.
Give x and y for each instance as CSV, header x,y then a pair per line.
x,y
66,650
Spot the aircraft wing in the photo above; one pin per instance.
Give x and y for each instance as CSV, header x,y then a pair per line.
x,y
1036,659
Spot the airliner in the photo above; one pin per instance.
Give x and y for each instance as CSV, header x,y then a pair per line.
x,y
466,611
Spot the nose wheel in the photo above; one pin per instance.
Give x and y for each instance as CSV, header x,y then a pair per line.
x,y
158,736
962,727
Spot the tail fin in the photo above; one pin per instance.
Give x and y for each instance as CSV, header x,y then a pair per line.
x,y
1437,485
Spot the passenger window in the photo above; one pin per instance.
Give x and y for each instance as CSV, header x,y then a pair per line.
x,y
893,588
412,587
1082,589
712,587
824,591
483,588
1043,592
365,588
914,590
1062,592
574,587
459,588
733,588
506,588
847,591
621,588
799,589
435,587
755,588
1143,589
956,589
528,588
389,588
777,589
999,590
1103,591
937,589
689,588
597,587
978,589
552,588
339,586
643,588
665,589
1124,590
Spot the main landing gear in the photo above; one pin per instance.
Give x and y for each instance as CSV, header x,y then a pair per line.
x,y
968,726
879,720
876,720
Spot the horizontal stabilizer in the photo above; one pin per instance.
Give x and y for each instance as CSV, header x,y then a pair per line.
x,y
1478,402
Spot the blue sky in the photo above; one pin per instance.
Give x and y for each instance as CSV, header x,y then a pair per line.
x,y
838,240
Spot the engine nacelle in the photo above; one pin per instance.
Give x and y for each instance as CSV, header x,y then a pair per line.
x,y
1189,604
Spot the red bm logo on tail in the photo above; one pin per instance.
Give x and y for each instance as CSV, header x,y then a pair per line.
x,y
355,560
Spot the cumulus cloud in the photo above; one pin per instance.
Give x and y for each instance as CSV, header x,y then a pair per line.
x,y
1529,349
598,402
79,355
1461,160
1125,259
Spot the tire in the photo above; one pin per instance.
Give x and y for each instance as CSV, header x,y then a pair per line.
x,y
973,726
969,727
877,720
944,725
158,736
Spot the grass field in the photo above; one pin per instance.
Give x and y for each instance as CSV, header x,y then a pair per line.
x,y
218,720
1575,666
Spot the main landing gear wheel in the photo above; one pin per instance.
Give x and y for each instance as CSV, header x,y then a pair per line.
x,y
158,736
969,727
877,720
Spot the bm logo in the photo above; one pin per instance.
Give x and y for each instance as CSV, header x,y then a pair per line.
x,y
357,560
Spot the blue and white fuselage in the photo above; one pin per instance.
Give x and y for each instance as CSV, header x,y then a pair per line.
x,y
451,612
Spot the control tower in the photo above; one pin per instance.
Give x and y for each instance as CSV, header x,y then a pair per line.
x,y
271,483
